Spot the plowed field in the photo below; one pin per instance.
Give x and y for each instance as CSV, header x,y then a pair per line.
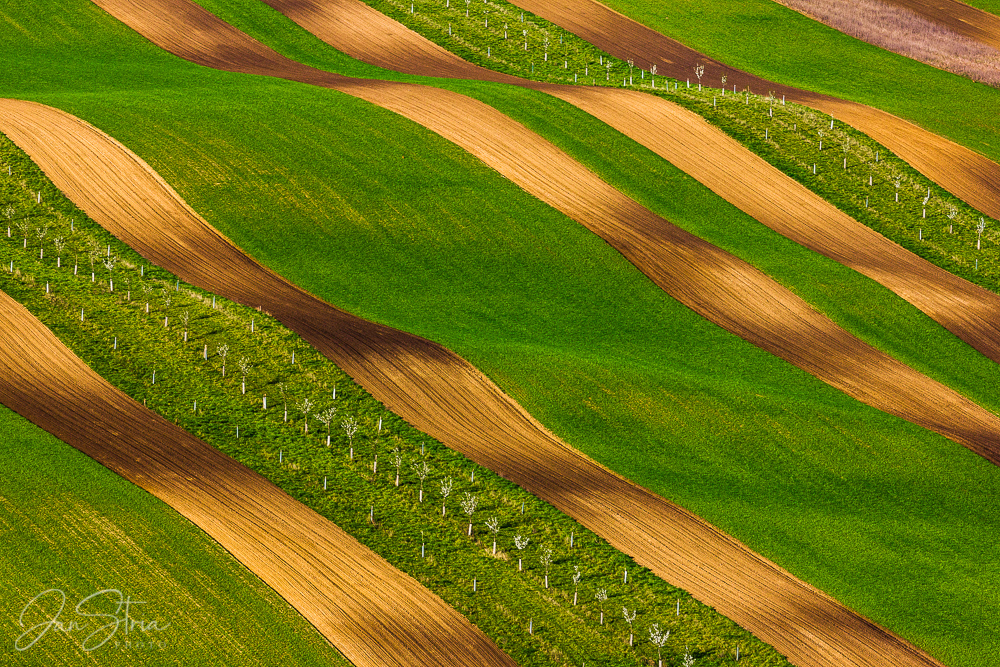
x,y
963,172
711,282
960,17
704,152
373,613
443,395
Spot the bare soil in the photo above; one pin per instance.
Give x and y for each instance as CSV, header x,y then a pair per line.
x,y
958,16
894,27
427,385
966,174
444,396
704,152
373,613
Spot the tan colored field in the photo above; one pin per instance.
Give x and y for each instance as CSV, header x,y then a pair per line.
x,y
963,172
704,152
443,395
895,27
958,16
373,613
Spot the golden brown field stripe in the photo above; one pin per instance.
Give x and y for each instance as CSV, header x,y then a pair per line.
x,y
373,613
968,175
704,152
446,397
958,16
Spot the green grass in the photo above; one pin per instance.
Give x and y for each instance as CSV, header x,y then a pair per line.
x,y
137,336
72,525
992,6
854,302
334,190
777,43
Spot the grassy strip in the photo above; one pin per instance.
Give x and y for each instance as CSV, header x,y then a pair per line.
x,y
860,177
335,192
209,365
780,44
992,6
71,525
948,229
848,299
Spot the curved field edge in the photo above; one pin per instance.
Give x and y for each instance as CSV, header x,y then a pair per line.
x,y
955,37
536,466
793,50
556,122
373,613
123,343
713,283
598,393
72,525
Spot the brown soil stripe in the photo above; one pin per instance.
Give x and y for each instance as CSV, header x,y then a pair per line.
x,y
439,393
704,152
960,17
373,613
446,397
963,172
710,281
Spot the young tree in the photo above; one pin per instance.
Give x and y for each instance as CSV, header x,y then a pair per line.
x,y
724,78
659,639
469,503
94,255
699,71
60,243
520,542
245,367
688,658
602,597
222,351
350,426
446,486
397,456
421,470
24,226
577,575
109,264
545,558
185,318
305,406
284,399
979,232
147,290
493,524
629,618
326,418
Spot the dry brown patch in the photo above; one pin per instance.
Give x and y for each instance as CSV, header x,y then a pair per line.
x,y
958,16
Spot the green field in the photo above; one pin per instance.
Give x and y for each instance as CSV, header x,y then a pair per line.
x,y
991,6
826,487
777,43
71,525
148,337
